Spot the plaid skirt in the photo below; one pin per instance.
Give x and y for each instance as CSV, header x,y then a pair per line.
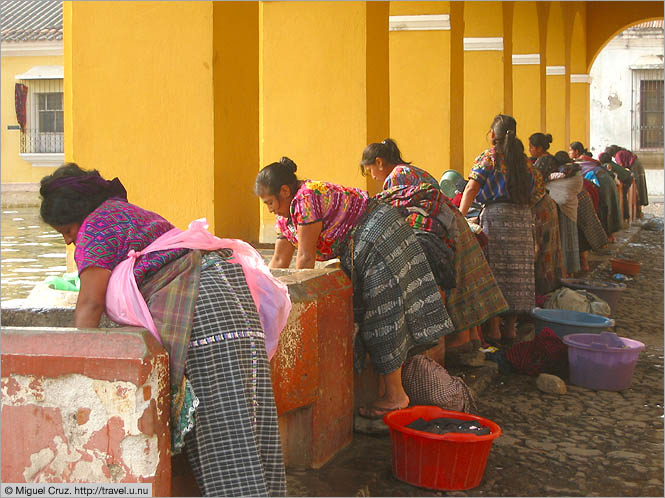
x,y
591,232
234,448
396,300
549,259
510,252
476,297
570,247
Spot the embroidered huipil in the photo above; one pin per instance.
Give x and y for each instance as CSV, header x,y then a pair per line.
x,y
405,174
492,178
337,207
113,229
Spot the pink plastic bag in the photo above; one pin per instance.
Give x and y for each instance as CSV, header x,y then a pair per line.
x,y
125,304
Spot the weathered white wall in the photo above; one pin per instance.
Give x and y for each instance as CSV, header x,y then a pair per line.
x,y
611,95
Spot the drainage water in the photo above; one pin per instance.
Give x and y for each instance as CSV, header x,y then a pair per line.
x,y
31,251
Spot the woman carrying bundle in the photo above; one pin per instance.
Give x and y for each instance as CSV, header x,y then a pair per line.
x,y
203,312
396,301
474,296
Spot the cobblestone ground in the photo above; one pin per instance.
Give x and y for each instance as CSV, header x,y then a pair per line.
x,y
588,443
583,443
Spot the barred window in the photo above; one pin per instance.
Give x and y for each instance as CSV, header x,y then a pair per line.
x,y
43,127
651,114
647,108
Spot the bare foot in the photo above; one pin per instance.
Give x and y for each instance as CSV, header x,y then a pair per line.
x,y
382,406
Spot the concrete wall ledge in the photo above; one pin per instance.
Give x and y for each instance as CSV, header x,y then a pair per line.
x,y
85,406
312,370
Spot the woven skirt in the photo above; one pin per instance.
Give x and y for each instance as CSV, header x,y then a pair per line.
x,y
510,252
396,300
477,297
549,259
234,448
609,204
570,247
591,232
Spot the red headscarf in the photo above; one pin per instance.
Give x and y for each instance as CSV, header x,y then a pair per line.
x,y
625,158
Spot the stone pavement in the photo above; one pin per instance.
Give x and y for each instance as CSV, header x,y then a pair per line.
x,y
583,443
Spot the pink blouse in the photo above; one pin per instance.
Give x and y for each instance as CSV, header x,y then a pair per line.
x,y
339,208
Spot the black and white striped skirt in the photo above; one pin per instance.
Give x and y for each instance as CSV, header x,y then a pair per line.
x,y
234,448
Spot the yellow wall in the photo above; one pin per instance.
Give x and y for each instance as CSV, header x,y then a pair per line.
x,y
141,102
314,104
236,115
527,77
14,169
484,82
579,92
607,19
187,101
556,99
420,120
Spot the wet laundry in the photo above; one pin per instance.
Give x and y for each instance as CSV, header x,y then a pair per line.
x,y
446,425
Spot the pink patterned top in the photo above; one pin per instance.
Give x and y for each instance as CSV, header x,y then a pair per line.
x,y
338,207
116,226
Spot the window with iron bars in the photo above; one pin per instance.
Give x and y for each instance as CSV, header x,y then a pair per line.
x,y
44,128
647,109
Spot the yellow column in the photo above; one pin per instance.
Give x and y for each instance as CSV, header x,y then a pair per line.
x,y
317,59
526,68
164,95
235,79
579,109
420,74
579,80
140,101
557,80
484,78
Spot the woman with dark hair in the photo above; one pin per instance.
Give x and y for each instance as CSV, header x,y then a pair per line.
x,y
501,179
630,161
548,257
473,296
625,179
396,300
539,143
564,183
608,205
577,151
202,311
591,234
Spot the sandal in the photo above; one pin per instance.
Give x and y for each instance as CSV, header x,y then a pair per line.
x,y
376,413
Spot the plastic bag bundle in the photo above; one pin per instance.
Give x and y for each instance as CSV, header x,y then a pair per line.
x,y
125,304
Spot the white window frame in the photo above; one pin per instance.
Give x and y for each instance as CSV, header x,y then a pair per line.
x,y
42,79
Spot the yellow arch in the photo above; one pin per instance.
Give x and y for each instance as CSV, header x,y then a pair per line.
x,y
605,20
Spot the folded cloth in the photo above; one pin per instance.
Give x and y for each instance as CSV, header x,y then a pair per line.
x,y
428,383
564,192
546,353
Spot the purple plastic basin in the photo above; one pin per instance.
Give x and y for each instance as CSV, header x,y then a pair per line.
x,y
602,361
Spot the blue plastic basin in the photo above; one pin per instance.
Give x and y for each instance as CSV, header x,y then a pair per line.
x,y
564,322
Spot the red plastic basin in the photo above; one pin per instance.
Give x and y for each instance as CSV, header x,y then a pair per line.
x,y
625,266
438,461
